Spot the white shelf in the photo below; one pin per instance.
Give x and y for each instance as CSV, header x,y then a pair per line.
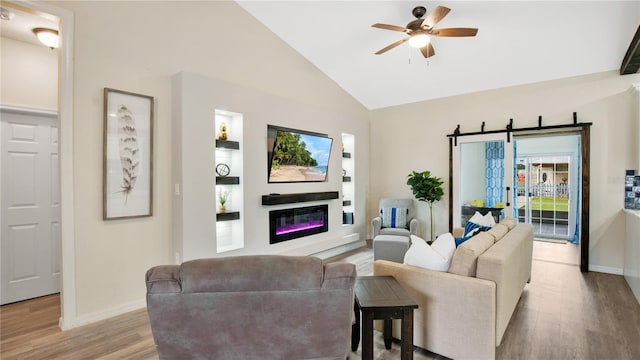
x,y
229,233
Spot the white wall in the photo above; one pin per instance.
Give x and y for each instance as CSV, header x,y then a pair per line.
x,y
137,47
199,98
634,91
419,134
29,75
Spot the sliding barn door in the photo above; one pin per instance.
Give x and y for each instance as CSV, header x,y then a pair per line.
x,y
482,176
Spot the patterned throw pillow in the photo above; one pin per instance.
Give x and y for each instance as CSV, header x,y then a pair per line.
x,y
470,230
394,217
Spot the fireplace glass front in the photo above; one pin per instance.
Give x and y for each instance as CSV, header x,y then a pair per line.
x,y
294,223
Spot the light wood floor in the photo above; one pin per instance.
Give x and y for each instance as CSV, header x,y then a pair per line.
x,y
562,314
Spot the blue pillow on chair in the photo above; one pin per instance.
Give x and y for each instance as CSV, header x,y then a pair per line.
x,y
394,217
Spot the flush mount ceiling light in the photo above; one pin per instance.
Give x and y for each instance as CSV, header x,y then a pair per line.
x,y
48,37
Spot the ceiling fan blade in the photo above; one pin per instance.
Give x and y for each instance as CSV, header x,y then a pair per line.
x,y
455,32
427,50
435,16
389,27
383,50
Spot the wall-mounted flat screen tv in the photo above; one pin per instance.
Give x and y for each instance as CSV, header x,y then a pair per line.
x,y
297,156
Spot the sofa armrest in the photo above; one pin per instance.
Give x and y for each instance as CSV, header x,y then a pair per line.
x,y
339,276
376,223
458,232
456,314
508,264
163,279
413,226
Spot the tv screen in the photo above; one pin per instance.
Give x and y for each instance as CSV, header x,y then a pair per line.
x,y
298,156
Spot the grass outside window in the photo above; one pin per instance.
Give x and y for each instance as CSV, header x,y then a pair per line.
x,y
549,203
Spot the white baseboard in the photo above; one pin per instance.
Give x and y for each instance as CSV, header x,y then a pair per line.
x,y
605,269
101,315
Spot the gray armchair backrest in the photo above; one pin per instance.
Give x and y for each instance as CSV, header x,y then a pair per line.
x,y
251,307
397,203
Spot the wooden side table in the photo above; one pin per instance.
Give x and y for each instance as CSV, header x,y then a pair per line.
x,y
382,298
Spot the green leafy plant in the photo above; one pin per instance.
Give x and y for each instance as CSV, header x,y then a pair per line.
x,y
223,196
427,188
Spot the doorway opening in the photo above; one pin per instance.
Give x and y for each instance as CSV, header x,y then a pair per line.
x,y
30,192
547,183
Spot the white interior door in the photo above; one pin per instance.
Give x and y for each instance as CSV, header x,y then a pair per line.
x,y
30,213
479,161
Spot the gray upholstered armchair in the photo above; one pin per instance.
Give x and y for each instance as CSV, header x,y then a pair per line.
x,y
409,228
252,307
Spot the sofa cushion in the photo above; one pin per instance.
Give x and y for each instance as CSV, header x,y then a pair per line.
x,y
509,222
394,217
498,231
436,256
465,258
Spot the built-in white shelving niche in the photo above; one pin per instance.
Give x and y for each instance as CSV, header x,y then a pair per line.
x,y
348,178
229,224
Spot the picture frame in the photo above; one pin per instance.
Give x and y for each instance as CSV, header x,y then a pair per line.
x,y
128,155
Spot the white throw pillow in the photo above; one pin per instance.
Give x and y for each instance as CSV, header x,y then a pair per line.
x,y
489,219
435,257
486,220
477,218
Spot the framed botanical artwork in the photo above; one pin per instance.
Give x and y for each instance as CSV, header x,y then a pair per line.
x,y
128,155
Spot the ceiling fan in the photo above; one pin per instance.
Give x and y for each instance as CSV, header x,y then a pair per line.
x,y
420,30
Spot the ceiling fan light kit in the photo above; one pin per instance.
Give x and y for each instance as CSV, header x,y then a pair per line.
x,y
420,30
419,40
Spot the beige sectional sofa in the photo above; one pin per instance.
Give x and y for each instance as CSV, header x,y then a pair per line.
x,y
463,313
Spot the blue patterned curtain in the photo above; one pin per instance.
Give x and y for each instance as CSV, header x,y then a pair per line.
x,y
576,234
494,152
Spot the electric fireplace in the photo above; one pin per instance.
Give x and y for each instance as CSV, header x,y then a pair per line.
x,y
288,224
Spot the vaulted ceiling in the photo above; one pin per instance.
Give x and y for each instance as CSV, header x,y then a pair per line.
x,y
518,42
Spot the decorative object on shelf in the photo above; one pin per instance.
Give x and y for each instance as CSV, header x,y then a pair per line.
x,y
128,154
426,188
222,197
222,135
222,169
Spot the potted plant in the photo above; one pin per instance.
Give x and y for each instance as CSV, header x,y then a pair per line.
x,y
222,197
426,188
